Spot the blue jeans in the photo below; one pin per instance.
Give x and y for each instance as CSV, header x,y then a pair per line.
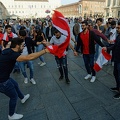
x,y
39,48
116,73
11,89
30,65
62,64
16,67
89,63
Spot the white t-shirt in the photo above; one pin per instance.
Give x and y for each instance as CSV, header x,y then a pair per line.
x,y
113,36
59,41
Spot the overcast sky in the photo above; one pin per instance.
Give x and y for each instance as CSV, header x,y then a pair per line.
x,y
68,1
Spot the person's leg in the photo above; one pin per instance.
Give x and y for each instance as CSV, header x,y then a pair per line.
x,y
64,64
22,67
91,57
59,66
40,47
30,65
87,63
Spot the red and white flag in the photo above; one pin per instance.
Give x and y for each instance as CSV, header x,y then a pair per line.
x,y
102,59
60,23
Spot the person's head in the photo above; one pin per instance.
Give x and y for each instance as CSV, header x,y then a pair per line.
x,y
113,24
8,29
22,34
84,25
17,43
79,19
49,23
118,28
99,21
90,25
110,19
57,33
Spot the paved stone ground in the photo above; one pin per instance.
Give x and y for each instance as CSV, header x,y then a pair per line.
x,y
52,99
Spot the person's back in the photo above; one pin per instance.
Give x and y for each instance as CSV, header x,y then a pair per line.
x,y
7,61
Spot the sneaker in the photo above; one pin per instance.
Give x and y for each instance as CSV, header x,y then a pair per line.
x,y
61,77
32,81
42,64
15,116
25,98
93,79
67,81
39,63
117,96
114,89
87,77
26,80
112,64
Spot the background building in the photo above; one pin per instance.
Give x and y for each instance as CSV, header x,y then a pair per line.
x,y
31,8
112,8
3,12
84,8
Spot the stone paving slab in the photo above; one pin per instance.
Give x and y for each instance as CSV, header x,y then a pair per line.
x,y
52,99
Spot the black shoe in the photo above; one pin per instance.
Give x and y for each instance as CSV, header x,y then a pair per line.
x,y
115,89
67,81
61,77
117,96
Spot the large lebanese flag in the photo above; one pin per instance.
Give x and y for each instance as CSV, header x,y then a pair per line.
x,y
102,59
60,23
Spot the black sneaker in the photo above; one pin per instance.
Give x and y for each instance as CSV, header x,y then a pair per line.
x,y
115,89
117,96
67,81
61,77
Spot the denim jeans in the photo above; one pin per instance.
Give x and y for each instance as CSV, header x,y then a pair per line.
x,y
89,63
11,89
16,67
39,48
116,73
30,65
62,64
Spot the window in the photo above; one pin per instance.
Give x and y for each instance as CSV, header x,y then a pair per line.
x,y
114,2
109,2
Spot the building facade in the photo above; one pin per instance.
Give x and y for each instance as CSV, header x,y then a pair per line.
x,y
30,8
84,8
112,8
3,12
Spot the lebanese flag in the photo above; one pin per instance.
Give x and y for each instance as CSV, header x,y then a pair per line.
x,y
61,24
102,59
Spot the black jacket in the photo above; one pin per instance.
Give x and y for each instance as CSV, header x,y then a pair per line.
x,y
47,31
92,39
116,48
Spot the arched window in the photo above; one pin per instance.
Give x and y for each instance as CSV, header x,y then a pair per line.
x,y
109,2
80,8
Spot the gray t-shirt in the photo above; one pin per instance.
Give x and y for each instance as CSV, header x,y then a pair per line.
x,y
59,41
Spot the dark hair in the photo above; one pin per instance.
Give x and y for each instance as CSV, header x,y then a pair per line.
x,y
7,26
22,33
16,41
99,19
23,28
85,22
113,23
118,23
109,19
56,31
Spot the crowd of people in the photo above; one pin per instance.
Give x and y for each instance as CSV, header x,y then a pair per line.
x,y
22,41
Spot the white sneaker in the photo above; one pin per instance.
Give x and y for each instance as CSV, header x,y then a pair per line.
x,y
26,80
15,116
25,98
93,79
42,64
112,64
87,77
32,81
